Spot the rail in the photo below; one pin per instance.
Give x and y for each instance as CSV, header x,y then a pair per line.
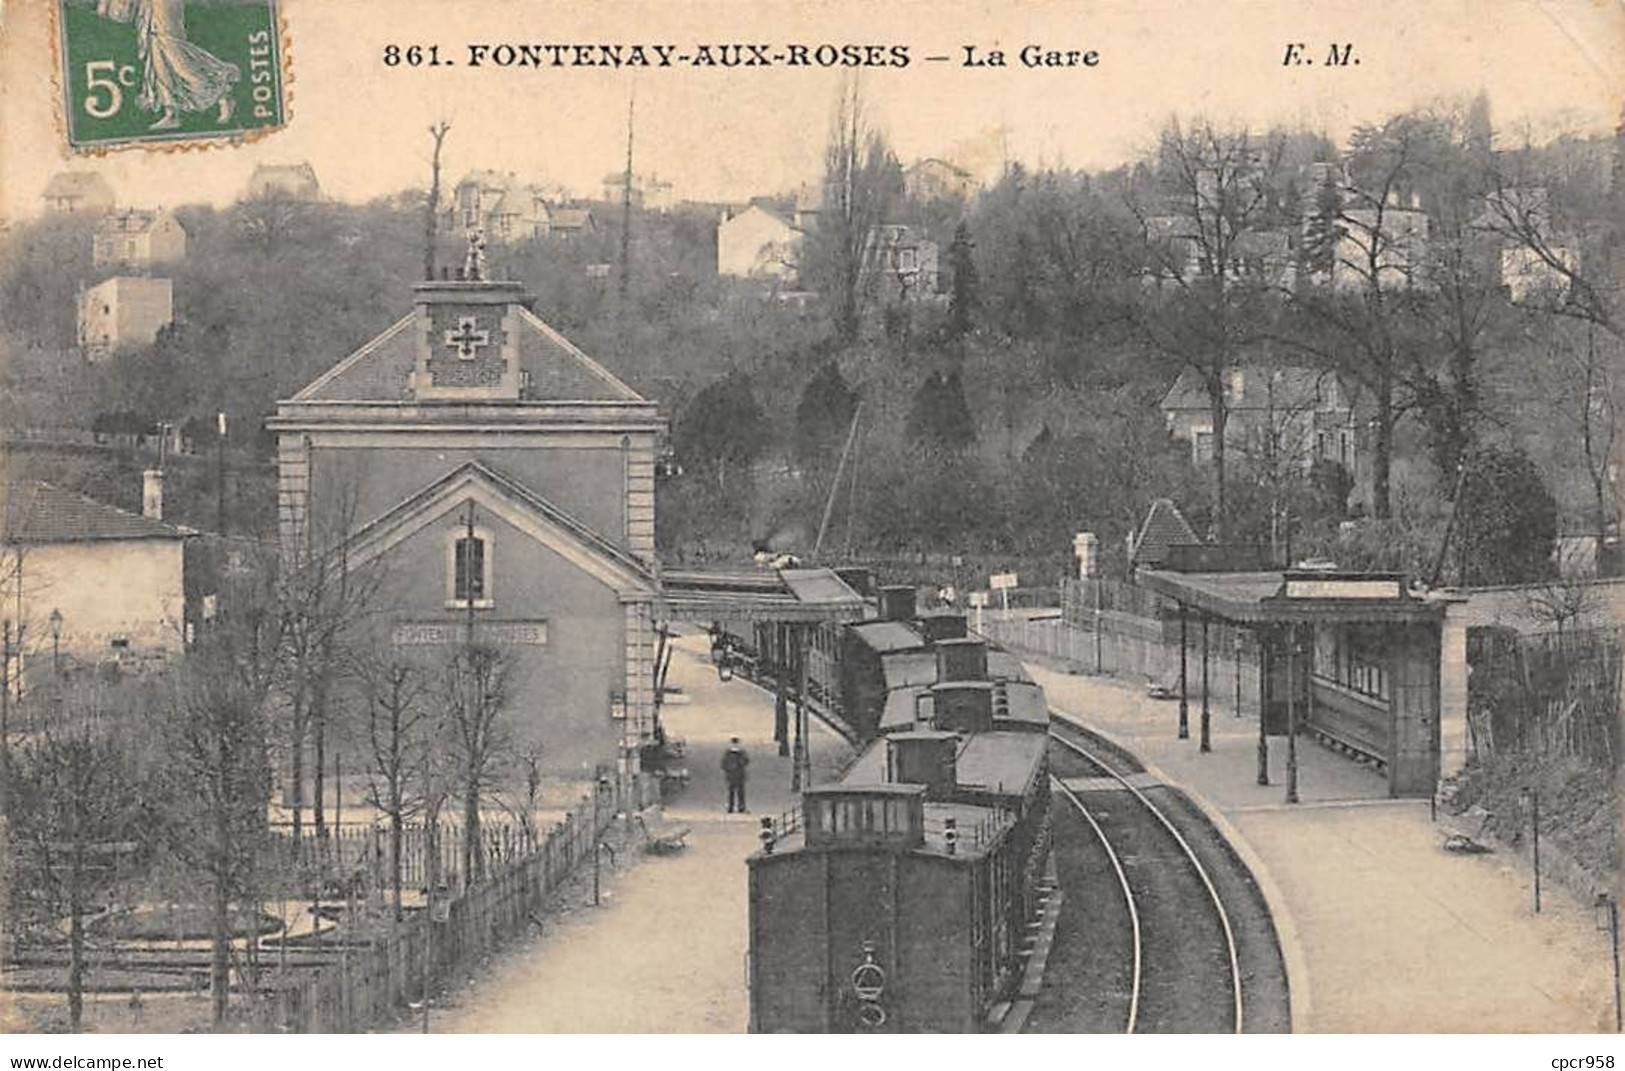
x,y
1128,898
1184,845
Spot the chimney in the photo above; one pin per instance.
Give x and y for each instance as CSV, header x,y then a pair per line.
x,y
152,494
962,660
924,758
963,706
897,603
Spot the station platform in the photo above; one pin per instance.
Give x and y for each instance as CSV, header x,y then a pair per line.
x,y
1383,930
666,951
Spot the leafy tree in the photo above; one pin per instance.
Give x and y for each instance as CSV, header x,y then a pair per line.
x,y
939,419
1506,523
963,299
722,430
822,416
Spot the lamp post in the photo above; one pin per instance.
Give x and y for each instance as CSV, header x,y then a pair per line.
x,y
56,644
1237,664
1607,903
1530,798
1184,701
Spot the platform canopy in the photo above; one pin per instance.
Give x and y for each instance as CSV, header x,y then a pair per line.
x,y
1295,596
801,595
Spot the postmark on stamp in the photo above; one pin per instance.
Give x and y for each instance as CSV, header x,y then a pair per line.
x,y
160,72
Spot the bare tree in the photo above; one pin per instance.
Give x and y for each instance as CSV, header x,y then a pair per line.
x,y
80,800
399,736
475,694
431,211
216,737
322,597
862,180
1376,279
1207,301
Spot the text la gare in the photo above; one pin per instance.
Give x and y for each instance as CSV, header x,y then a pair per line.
x,y
1029,56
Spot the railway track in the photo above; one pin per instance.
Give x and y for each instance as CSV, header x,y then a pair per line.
x,y
1152,946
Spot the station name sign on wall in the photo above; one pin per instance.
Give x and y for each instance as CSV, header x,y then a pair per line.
x,y
1343,588
447,633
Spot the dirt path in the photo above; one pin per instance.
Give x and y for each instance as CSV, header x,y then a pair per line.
x,y
666,952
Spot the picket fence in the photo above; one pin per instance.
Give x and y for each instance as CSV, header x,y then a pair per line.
x,y
365,982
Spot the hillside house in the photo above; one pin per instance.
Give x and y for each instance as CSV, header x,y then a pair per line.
x,y
136,238
758,243
1281,416
78,191
570,223
932,179
296,182
647,191
1395,238
508,210
126,310
903,264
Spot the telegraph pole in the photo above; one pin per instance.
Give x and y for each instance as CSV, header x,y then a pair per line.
x,y
626,201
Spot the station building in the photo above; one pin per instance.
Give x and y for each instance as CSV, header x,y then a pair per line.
x,y
499,484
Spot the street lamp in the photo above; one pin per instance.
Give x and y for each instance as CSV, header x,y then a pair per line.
x,y
1530,798
56,643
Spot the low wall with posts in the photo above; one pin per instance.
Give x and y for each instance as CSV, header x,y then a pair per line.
x,y
1121,640
365,981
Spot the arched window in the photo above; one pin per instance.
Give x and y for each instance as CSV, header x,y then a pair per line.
x,y
468,569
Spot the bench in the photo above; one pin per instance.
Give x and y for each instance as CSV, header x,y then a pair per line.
x,y
660,835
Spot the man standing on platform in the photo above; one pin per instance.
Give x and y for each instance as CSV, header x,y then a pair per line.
x,y
734,761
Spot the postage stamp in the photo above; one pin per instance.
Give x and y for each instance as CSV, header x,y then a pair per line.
x,y
169,71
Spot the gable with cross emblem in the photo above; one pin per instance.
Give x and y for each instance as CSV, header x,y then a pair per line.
x,y
467,351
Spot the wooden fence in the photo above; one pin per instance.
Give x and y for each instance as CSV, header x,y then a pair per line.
x,y
1548,693
365,981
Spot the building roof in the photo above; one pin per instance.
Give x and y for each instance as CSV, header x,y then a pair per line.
x,y
77,184
38,513
381,370
1164,527
1274,597
1278,388
301,171
767,594
129,221
572,219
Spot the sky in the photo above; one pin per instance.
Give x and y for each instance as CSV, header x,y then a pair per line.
x,y
719,134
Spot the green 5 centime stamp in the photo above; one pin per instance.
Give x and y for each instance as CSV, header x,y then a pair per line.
x,y
169,71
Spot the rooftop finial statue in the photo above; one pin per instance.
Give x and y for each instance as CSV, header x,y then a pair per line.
x,y
177,76
474,263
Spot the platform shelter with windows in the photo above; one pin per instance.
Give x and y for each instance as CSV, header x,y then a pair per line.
x,y
1349,658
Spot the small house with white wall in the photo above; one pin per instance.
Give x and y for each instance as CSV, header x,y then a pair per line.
x,y
87,582
126,310
757,243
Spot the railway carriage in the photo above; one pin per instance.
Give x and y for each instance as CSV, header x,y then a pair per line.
x,y
900,902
